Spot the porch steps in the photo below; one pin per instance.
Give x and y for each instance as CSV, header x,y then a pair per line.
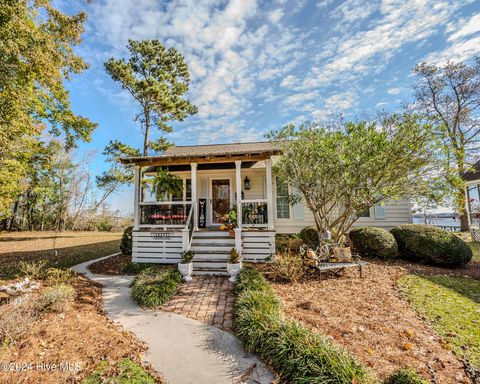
x,y
212,249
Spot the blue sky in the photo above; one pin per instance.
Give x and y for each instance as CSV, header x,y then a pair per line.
x,y
256,66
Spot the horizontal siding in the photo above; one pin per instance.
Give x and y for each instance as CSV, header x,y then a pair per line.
x,y
257,245
396,213
147,248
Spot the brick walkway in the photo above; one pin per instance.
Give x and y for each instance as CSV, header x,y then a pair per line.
x,y
205,298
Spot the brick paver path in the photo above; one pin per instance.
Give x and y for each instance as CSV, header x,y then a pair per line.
x,y
205,298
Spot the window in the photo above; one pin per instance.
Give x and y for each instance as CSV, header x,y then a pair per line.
x,y
365,214
379,212
283,208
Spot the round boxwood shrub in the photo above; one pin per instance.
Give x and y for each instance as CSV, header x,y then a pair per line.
x,y
309,236
126,243
373,242
431,245
405,376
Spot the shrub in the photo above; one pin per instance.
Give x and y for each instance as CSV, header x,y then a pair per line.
x,y
54,299
124,371
15,320
60,276
297,353
136,268
431,245
405,376
35,270
373,242
288,266
309,236
126,242
152,289
234,257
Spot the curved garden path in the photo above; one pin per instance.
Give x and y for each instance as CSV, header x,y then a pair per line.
x,y
181,349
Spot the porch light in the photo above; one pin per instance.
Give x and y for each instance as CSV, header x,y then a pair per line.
x,y
246,183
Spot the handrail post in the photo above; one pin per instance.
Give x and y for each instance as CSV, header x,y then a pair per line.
x,y
238,240
185,239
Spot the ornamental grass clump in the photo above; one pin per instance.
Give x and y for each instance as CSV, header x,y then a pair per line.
x,y
297,353
154,288
405,376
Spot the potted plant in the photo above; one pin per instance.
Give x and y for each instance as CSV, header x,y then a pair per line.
x,y
229,222
234,264
186,266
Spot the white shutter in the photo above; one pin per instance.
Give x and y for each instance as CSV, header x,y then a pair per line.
x,y
297,208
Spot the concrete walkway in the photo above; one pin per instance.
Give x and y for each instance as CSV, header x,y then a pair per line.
x,y
182,350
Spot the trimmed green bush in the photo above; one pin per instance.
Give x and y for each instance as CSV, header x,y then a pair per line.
x,y
309,236
373,242
297,353
154,288
405,376
126,242
431,245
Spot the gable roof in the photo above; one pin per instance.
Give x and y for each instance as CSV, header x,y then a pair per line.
x,y
473,175
184,153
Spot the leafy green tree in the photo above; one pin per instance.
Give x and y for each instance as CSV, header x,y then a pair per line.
x,y
342,172
36,56
449,96
157,79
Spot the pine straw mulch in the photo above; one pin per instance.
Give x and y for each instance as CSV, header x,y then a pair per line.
x,y
80,334
373,321
112,265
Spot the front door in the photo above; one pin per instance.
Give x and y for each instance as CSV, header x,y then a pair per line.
x,y
220,199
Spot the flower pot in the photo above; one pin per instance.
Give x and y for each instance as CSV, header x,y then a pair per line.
x,y
233,270
186,271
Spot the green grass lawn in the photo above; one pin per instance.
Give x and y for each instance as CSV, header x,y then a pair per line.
x,y
476,251
61,250
124,372
452,306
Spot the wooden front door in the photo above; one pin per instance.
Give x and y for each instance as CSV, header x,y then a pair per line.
x,y
220,199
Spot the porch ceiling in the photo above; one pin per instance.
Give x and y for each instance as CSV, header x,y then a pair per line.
x,y
201,154
201,166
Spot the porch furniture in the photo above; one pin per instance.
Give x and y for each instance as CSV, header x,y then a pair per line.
x,y
322,257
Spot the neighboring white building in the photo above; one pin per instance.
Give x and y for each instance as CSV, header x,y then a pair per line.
x,y
472,191
216,178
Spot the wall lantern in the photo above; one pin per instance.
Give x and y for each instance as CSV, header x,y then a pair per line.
x,y
246,183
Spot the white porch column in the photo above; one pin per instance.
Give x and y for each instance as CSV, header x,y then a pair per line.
x,y
268,174
238,185
194,195
136,197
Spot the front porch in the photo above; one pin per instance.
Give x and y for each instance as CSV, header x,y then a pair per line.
x,y
212,185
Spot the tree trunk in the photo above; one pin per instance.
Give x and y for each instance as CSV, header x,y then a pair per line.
x,y
146,141
463,222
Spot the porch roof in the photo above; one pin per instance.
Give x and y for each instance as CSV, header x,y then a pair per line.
x,y
211,153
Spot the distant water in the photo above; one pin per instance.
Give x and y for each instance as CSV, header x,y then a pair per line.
x,y
438,221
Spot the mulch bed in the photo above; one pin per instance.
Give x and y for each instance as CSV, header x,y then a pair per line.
x,y
371,319
111,266
81,334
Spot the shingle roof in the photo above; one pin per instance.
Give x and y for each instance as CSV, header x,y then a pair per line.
x,y
475,174
232,149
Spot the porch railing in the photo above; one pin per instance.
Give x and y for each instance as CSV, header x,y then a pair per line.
x,y
255,213
167,214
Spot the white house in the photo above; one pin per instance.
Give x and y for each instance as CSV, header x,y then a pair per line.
x,y
216,178
472,192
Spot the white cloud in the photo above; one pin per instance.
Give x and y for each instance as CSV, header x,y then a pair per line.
x,y
275,16
394,91
465,28
354,10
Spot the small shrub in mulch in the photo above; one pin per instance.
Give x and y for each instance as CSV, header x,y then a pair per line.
x,y
431,245
287,266
126,242
309,236
125,371
373,242
298,354
405,376
152,288
54,299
